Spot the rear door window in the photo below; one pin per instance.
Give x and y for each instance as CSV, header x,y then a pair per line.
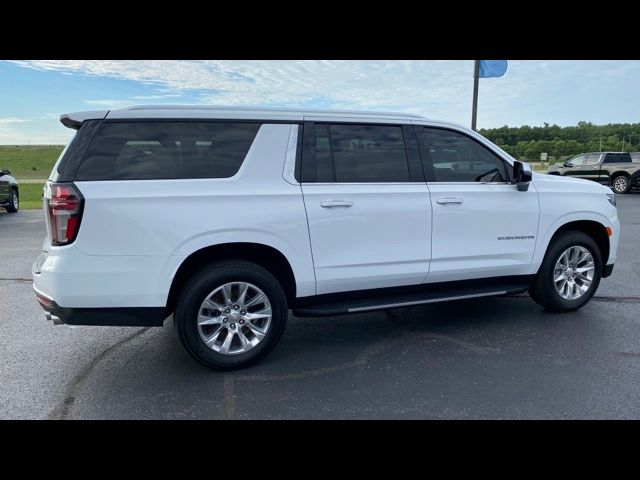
x,y
360,153
167,150
592,159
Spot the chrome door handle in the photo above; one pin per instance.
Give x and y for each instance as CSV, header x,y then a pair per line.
x,y
445,200
336,203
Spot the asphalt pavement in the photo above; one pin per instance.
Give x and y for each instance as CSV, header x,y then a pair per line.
x,y
487,358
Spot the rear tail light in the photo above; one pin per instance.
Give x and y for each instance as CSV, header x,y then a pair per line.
x,y
63,204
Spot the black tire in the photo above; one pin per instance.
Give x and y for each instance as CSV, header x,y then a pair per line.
x,y
620,184
14,203
543,290
206,281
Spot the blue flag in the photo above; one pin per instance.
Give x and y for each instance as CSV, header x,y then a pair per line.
x,y
492,68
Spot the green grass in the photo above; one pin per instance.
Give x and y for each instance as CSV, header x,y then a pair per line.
x,y
29,161
30,196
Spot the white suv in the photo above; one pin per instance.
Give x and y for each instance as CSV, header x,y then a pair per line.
x,y
229,217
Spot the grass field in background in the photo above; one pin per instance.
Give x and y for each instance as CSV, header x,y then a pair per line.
x,y
29,161
34,162
30,195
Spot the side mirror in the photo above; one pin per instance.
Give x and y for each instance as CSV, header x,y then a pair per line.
x,y
522,175
6,172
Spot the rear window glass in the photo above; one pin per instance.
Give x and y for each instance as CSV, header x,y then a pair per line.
x,y
166,150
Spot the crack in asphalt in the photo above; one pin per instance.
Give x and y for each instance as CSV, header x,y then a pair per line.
x,y
611,298
629,354
18,279
61,411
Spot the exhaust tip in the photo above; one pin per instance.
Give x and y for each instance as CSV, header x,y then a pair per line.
x,y
53,318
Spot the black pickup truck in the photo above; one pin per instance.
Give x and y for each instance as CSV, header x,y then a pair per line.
x,y
615,169
9,194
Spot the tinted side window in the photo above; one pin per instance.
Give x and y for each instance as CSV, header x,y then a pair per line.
x,y
360,153
453,157
164,150
72,156
617,158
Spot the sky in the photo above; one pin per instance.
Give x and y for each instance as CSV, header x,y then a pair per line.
x,y
33,93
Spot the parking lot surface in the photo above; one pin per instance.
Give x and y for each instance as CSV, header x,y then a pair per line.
x,y
480,359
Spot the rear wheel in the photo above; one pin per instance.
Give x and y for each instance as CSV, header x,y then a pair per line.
x,y
620,184
14,202
570,273
231,314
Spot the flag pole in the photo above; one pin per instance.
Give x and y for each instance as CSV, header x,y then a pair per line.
x,y
476,75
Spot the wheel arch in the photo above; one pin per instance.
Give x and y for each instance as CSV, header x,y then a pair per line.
x,y
266,256
618,173
593,228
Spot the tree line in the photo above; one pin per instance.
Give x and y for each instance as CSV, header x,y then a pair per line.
x,y
527,143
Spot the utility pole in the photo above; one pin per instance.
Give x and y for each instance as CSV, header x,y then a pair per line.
x,y
623,143
476,78
600,143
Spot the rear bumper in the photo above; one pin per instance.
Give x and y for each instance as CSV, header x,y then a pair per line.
x,y
117,317
76,280
607,270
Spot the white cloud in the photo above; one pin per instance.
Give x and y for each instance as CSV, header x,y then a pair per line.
x,y
10,120
156,97
427,87
530,92
110,103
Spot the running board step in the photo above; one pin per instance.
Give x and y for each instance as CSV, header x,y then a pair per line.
x,y
326,305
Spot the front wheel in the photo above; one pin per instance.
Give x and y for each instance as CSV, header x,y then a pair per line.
x,y
14,202
620,184
570,273
231,314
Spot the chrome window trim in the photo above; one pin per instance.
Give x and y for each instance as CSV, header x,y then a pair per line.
x,y
469,183
362,183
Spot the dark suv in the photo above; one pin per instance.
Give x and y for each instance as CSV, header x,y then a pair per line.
x,y
615,169
9,194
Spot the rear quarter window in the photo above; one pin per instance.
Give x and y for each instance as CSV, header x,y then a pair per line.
x,y
71,157
617,158
167,150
